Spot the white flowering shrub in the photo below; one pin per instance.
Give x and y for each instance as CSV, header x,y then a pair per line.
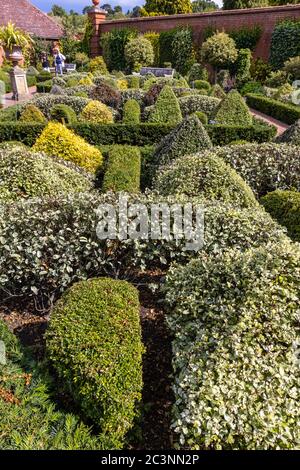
x,y
48,244
46,101
265,167
192,103
235,319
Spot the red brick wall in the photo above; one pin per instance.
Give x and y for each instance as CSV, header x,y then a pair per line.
x,y
227,20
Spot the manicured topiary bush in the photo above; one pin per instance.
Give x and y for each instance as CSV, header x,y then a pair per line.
x,y
166,109
44,87
202,85
25,174
131,112
57,140
187,138
202,117
94,343
87,81
139,53
217,92
107,95
252,87
209,176
233,110
123,170
197,72
44,76
97,64
63,113
191,104
45,103
265,167
291,135
97,112
235,349
27,398
32,114
64,231
284,206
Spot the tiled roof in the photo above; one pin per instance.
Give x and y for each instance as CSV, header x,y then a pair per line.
x,y
29,18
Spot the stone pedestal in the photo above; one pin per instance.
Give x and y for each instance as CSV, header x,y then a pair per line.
x,y
97,16
18,81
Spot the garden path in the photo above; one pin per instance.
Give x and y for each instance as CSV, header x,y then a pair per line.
x,y
8,100
280,126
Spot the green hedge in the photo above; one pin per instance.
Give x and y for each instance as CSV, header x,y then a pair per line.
x,y
123,170
136,135
284,206
224,135
44,87
288,113
94,343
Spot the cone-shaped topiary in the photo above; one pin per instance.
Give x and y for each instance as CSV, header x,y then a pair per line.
x,y
59,141
187,138
97,112
131,112
25,174
207,176
233,111
217,92
32,114
291,135
166,109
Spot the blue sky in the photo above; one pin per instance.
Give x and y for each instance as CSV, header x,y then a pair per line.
x,y
78,5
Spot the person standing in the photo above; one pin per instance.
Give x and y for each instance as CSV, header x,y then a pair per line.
x,y
59,60
45,63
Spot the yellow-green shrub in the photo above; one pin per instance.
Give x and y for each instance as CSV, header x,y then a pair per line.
x,y
57,140
86,81
32,114
122,84
97,112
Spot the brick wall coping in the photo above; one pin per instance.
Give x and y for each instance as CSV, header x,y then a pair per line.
x,y
218,13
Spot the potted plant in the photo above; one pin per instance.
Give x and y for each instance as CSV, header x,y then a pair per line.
x,y
14,40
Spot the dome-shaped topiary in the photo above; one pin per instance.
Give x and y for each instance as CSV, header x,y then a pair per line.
x,y
107,95
97,112
291,135
166,109
217,92
86,81
284,206
32,114
59,141
25,174
187,138
233,111
208,176
63,113
139,53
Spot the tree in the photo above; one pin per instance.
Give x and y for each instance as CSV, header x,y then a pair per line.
x,y
56,10
168,7
199,6
237,4
86,10
219,50
139,53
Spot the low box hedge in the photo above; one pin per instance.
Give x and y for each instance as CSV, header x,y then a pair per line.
x,y
94,343
285,112
139,135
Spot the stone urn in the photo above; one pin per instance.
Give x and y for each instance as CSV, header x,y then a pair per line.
x,y
96,3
